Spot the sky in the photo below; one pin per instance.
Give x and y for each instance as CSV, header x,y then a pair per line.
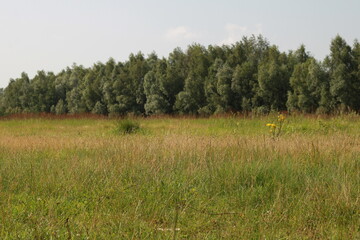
x,y
53,34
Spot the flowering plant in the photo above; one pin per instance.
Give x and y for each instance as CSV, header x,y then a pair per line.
x,y
275,129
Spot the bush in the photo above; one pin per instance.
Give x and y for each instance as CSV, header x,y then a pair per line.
x,y
127,126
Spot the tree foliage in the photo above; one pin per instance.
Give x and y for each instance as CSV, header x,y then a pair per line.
x,y
250,75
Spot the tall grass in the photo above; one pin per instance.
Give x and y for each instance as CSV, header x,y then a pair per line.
x,y
220,178
127,126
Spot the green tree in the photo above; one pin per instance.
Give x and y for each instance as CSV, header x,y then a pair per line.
x,y
176,73
356,72
273,77
99,108
2,105
17,95
223,87
156,99
211,93
43,94
60,107
94,82
74,100
192,98
243,85
248,75
307,83
343,81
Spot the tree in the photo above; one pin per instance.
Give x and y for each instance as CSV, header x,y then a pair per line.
x,y
138,67
211,93
192,98
223,87
99,108
356,72
243,85
248,75
74,100
60,107
176,73
307,83
156,99
343,80
273,77
43,94
17,95
2,105
111,88
94,82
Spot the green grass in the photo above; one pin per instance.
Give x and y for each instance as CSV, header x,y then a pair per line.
x,y
127,126
217,178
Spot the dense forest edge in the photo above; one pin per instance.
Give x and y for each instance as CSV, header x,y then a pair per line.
x,y
249,76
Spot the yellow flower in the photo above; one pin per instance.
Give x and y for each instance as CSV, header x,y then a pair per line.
x,y
272,125
281,118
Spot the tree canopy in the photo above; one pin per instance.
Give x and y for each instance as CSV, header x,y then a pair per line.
x,y
250,75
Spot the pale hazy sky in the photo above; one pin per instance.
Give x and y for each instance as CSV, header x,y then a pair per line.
x,y
52,34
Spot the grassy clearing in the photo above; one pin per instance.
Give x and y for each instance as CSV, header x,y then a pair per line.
x,y
218,178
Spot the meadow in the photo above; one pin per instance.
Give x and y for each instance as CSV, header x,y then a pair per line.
x,y
180,178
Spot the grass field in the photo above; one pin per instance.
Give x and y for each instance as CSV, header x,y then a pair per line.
x,y
216,178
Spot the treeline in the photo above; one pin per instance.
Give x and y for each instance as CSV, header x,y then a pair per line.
x,y
251,75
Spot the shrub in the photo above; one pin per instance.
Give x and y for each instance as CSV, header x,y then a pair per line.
x,y
127,126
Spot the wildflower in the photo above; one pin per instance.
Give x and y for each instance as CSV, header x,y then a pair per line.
x,y
276,129
281,118
272,125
